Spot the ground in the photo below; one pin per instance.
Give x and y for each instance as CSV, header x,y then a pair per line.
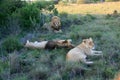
x,y
98,8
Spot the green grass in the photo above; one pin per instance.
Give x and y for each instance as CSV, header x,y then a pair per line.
x,y
51,65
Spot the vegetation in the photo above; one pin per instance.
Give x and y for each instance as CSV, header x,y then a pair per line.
x,y
24,23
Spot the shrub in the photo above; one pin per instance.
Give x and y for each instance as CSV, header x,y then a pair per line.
x,y
14,63
55,11
9,23
45,5
88,17
11,43
21,63
108,73
29,14
3,65
64,14
7,7
55,76
40,72
20,78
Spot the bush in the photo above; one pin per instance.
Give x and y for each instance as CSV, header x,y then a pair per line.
x,y
40,72
33,15
88,18
20,78
10,44
7,7
64,14
3,65
14,63
9,23
108,73
48,5
29,15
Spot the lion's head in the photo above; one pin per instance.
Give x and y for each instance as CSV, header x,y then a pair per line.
x,y
65,43
55,23
88,43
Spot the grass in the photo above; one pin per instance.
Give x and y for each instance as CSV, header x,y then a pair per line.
x,y
51,65
30,64
99,8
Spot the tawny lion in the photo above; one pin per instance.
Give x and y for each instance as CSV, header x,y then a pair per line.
x,y
80,52
54,25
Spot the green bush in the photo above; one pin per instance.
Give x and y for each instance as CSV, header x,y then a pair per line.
x,y
44,5
7,7
3,65
29,15
9,19
10,44
40,72
88,17
14,63
64,14
109,72
20,78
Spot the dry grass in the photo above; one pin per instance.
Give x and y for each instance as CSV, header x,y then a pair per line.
x,y
98,8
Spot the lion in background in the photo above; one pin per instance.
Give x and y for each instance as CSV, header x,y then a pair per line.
x,y
52,44
54,25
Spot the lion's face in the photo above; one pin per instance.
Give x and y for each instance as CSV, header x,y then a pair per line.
x,y
89,43
55,23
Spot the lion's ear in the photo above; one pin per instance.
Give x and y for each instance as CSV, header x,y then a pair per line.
x,y
90,39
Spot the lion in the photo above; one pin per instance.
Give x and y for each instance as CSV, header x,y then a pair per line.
x,y
50,44
54,25
83,50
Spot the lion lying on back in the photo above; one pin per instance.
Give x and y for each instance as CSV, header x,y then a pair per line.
x,y
50,44
80,52
54,25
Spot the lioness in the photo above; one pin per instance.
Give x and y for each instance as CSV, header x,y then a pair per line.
x,y
80,52
49,44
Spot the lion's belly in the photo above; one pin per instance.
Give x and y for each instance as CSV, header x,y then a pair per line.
x,y
75,55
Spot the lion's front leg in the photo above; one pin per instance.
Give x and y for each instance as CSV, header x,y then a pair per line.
x,y
85,61
98,52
